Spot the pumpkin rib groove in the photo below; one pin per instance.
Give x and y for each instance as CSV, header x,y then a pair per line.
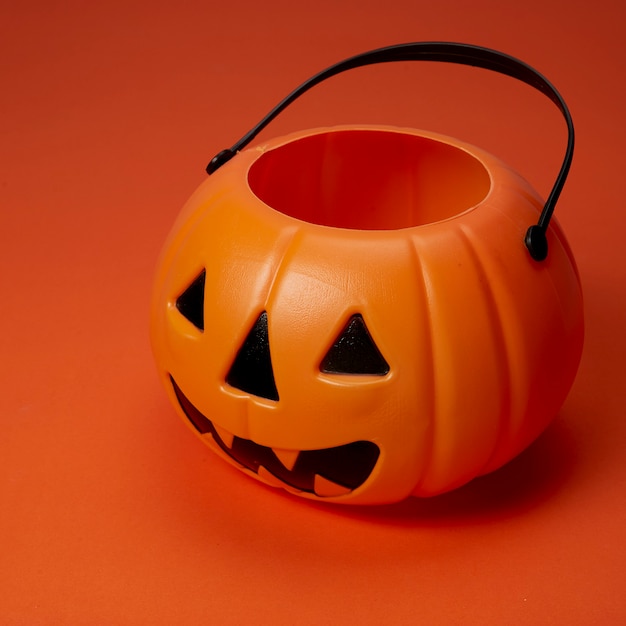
x,y
284,249
428,347
286,242
283,244
499,341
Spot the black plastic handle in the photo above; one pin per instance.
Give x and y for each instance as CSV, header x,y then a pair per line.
x,y
447,52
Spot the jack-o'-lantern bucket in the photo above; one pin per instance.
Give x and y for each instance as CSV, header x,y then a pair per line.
x,y
357,314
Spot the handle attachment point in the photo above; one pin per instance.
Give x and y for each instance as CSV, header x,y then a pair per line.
x,y
536,242
219,159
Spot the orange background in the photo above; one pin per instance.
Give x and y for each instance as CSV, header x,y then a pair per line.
x,y
112,512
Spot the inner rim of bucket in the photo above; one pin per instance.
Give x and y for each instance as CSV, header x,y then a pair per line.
x,y
369,179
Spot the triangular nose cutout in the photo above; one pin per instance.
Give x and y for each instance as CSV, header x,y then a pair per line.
x,y
252,369
354,352
190,303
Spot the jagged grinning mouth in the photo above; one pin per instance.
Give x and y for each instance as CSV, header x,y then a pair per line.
x,y
325,472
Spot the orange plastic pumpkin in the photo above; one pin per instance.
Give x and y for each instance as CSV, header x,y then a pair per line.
x,y
351,314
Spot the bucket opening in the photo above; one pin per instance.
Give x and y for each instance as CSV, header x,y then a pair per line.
x,y
369,179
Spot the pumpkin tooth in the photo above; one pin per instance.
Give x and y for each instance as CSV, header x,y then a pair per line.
x,y
226,436
287,457
269,478
327,488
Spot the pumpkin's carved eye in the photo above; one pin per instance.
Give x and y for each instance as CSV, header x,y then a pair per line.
x,y
354,352
252,370
190,303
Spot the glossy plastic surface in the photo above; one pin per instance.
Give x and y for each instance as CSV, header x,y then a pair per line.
x,y
420,236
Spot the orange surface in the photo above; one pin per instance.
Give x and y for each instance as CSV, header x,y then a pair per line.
x,y
112,512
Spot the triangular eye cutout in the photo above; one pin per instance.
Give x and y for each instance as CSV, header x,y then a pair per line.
x,y
354,352
190,303
252,369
